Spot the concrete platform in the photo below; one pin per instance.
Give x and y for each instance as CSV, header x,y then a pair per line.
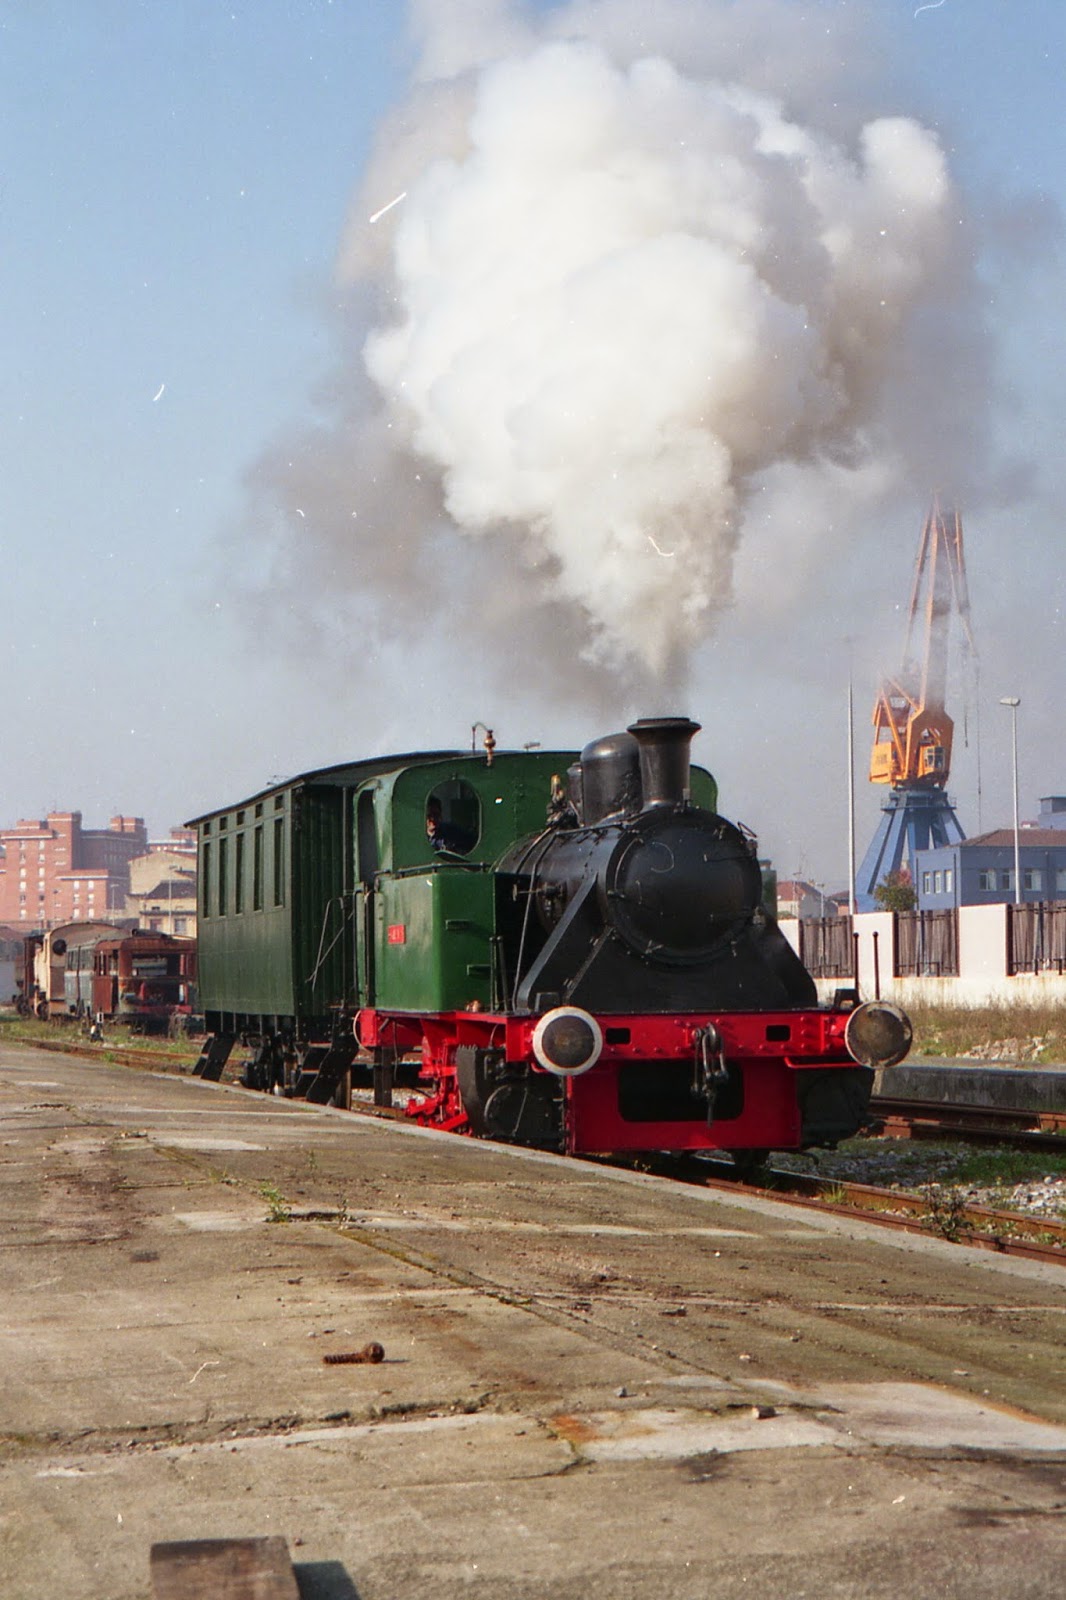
x,y
593,1385
975,1084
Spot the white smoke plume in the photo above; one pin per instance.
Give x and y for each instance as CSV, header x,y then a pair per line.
x,y
626,282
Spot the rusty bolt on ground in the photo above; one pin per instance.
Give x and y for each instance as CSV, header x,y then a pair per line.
x,y
371,1352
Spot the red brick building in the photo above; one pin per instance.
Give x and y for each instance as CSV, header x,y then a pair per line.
x,y
57,871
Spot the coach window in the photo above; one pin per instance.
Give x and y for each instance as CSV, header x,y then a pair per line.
x,y
453,818
279,861
257,867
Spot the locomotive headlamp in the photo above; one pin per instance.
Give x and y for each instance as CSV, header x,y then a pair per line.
x,y
878,1034
567,1041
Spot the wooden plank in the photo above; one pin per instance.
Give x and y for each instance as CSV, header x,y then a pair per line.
x,y
223,1569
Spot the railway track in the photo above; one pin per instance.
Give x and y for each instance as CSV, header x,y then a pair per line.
x,y
990,1125
117,1055
938,1212
939,1215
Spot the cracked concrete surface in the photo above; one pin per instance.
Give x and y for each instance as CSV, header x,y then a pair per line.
x,y
593,1385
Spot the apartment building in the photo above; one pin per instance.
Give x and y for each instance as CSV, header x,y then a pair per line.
x,y
55,870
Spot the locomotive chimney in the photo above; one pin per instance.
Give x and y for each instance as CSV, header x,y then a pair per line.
x,y
664,758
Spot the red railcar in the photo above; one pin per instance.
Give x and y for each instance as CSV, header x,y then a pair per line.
x,y
144,979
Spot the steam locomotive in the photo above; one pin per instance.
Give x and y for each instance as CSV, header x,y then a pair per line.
x,y
574,951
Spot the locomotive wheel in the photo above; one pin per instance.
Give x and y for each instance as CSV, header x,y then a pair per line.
x,y
749,1162
475,1073
525,1111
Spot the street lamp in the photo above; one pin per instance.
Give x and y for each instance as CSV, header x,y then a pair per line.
x,y
1013,701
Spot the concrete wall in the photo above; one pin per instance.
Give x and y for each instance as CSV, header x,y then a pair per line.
x,y
982,976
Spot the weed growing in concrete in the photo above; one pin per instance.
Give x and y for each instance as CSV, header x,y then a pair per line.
x,y
278,1205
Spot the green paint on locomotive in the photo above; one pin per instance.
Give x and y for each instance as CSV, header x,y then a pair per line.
x,y
326,891
434,913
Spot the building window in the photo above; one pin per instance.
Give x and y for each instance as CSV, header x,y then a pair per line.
x,y
238,872
949,879
181,924
1060,880
1008,881
1032,878
926,881
938,883
986,879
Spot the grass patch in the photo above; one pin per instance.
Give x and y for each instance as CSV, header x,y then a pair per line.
x,y
1032,1032
986,1168
29,1030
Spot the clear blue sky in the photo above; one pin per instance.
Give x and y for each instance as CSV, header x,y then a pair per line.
x,y
176,183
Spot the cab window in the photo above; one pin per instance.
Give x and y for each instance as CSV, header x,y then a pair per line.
x,y
453,818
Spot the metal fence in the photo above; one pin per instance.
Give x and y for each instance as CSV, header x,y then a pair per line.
x,y
826,948
926,944
1036,937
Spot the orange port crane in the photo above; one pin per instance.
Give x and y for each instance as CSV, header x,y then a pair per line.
x,y
912,730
